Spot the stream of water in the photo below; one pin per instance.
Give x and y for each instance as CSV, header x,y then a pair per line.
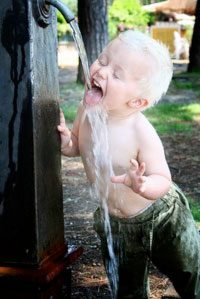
x,y
81,50
103,171
97,117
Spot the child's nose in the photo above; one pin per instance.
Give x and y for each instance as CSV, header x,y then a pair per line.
x,y
102,72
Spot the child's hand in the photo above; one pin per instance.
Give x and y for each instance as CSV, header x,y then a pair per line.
x,y
133,178
65,133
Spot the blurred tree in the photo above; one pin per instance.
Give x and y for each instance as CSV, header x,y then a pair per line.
x,y
72,4
194,64
126,14
93,24
62,26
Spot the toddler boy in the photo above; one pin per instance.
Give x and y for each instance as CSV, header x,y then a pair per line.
x,y
150,218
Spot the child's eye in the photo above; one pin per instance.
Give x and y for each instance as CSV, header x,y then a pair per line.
x,y
102,60
116,75
99,61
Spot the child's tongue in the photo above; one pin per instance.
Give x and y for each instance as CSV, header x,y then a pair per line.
x,y
93,96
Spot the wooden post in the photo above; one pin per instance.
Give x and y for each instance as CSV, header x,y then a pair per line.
x,y
32,243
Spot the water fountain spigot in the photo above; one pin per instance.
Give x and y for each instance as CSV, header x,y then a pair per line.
x,y
66,12
43,11
43,15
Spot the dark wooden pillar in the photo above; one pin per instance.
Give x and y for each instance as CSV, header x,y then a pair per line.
x,y
31,208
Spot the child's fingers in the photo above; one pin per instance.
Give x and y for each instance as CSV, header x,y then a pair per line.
x,y
141,169
60,128
142,189
62,118
63,130
119,179
142,179
61,113
134,164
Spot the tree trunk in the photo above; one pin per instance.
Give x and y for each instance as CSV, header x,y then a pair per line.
x,y
194,64
93,23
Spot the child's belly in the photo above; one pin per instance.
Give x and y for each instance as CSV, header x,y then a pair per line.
x,y
123,202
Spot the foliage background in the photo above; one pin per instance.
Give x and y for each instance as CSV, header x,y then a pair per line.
x,y
62,27
128,14
121,13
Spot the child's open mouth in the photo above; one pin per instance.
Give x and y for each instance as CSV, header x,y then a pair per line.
x,y
94,95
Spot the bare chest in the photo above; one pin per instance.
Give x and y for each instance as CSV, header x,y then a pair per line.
x,y
123,147
121,141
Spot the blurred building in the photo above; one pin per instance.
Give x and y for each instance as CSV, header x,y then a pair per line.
x,y
178,6
176,19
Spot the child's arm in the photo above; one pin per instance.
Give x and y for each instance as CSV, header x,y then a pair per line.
x,y
69,139
149,176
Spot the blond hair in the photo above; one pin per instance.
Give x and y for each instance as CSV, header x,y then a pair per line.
x,y
156,82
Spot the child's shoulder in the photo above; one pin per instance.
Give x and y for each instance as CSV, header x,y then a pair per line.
x,y
143,124
146,133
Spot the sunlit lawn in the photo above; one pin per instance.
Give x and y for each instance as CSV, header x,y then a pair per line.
x,y
195,209
173,118
69,109
187,81
74,93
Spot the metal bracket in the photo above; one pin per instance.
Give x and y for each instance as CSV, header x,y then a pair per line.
x,y
42,12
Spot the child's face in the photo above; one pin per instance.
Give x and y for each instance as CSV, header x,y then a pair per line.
x,y
117,72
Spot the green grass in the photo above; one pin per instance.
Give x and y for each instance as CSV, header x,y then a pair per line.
x,y
187,81
73,87
73,92
166,118
195,209
183,85
173,118
69,109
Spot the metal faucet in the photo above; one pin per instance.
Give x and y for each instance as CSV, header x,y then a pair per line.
x,y
68,15
43,13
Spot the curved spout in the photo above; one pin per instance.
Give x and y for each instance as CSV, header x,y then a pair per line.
x,y
68,15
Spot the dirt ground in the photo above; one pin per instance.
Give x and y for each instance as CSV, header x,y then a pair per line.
x,y
88,275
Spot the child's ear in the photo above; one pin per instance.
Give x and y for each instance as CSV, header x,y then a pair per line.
x,y
138,103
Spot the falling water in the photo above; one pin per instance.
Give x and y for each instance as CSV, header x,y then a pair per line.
x,y
81,50
103,165
103,170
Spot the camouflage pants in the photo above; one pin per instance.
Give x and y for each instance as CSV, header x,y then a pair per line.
x,y
166,234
